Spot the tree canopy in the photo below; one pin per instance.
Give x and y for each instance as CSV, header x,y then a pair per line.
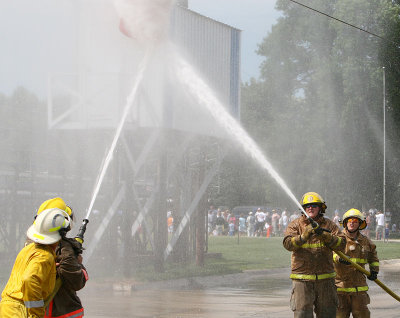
x,y
317,108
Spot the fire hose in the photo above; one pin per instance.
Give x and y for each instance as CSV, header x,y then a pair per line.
x,y
79,238
361,269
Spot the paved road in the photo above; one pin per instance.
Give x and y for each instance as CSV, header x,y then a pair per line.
x,y
251,294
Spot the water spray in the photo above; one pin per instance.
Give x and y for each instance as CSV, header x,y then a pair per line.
x,y
147,23
129,102
204,95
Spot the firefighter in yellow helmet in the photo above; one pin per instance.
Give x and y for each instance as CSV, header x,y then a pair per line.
x,y
33,275
55,203
65,301
312,271
73,275
351,284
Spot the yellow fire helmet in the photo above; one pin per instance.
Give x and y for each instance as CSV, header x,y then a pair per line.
x,y
59,204
55,203
52,203
354,213
313,197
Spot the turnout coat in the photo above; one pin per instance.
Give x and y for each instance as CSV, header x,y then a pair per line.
x,y
313,260
31,281
362,251
73,274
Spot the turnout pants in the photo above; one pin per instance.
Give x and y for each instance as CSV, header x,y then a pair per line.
x,y
319,295
353,303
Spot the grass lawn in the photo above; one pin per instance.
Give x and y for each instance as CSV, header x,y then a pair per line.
x,y
245,254
389,250
228,255
250,253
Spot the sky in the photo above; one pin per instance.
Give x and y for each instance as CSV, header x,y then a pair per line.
x,y
36,37
254,17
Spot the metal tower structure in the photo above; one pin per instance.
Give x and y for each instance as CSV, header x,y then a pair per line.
x,y
163,161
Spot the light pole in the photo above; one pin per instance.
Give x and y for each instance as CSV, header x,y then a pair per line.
x,y
384,141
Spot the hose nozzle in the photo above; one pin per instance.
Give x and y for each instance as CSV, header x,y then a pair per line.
x,y
81,232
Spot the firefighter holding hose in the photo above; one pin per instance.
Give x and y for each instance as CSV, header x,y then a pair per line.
x,y
311,239
351,284
71,274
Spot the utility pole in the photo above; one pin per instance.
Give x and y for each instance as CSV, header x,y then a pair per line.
x,y
160,229
384,141
201,211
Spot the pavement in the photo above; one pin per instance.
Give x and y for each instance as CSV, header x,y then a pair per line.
x,y
253,294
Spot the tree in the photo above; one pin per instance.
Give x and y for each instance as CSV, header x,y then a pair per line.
x,y
316,109
389,55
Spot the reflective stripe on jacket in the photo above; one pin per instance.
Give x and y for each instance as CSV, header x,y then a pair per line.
x,y
312,277
32,278
361,251
313,259
353,289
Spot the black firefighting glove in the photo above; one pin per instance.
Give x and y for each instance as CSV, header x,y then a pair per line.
x,y
373,276
343,261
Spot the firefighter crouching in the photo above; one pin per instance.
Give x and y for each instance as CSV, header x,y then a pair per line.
x,y
312,270
33,275
351,284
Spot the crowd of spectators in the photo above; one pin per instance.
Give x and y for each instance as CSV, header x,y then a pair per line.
x,y
258,223
269,223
